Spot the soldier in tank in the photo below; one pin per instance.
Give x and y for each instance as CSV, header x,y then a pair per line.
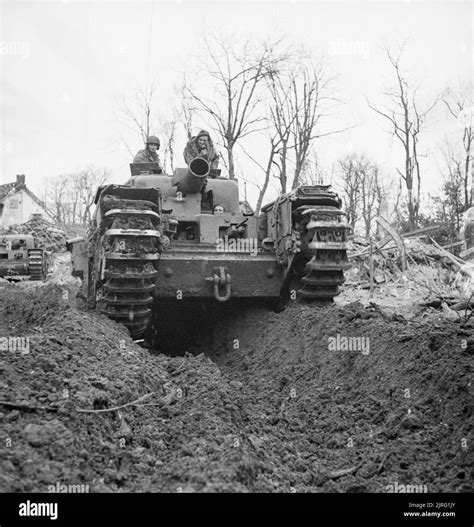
x,y
149,153
201,145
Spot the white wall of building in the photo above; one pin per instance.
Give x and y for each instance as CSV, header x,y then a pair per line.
x,y
19,208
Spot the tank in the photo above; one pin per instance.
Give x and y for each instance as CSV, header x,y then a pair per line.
x,y
21,257
188,236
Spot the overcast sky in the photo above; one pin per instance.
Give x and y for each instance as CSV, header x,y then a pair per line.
x,y
65,67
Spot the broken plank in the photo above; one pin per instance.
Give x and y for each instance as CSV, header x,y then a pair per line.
x,y
424,230
396,238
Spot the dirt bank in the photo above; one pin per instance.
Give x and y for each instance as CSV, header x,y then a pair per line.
x,y
264,401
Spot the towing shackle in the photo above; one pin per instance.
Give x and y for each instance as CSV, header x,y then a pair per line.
x,y
220,278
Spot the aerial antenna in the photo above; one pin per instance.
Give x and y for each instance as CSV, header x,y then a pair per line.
x,y
149,48
245,191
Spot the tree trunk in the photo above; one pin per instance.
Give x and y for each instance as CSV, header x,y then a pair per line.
x,y
467,175
266,182
411,210
230,156
261,195
172,159
283,177
296,179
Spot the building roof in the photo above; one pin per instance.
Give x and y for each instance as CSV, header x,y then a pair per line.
x,y
8,189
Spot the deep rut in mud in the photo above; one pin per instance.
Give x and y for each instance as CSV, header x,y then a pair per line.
x,y
260,401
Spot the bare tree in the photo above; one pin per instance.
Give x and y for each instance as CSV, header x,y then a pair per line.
x,y
308,86
266,168
300,95
139,112
168,133
460,105
90,179
313,173
71,196
449,204
454,197
350,175
406,121
363,192
311,98
371,194
187,111
55,196
282,115
235,106
398,215
139,115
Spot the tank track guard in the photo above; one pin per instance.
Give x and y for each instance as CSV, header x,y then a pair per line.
x,y
130,249
323,233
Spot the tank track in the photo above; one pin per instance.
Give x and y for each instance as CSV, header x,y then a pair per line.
x,y
131,246
325,250
36,264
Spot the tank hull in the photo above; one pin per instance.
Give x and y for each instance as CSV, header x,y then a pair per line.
x,y
20,257
161,238
183,273
13,269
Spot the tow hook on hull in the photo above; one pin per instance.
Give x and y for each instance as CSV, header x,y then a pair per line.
x,y
220,278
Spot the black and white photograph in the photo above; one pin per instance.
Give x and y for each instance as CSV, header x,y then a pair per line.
x,y
236,252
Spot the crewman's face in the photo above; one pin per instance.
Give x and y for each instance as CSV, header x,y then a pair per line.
x,y
152,147
202,142
218,209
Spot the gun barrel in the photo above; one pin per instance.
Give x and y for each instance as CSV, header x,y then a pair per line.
x,y
242,223
195,178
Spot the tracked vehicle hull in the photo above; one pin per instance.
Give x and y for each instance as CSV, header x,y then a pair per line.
x,y
22,257
158,237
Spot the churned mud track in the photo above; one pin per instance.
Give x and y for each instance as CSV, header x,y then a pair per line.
x,y
261,402
395,412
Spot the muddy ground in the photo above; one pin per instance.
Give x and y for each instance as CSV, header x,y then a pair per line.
x,y
260,401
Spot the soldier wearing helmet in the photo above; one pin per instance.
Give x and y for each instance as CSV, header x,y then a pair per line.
x,y
149,153
201,146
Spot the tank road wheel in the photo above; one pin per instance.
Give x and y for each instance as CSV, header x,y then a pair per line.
x,y
324,246
36,264
132,250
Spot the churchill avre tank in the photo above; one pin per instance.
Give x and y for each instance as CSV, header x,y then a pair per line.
x,y
187,235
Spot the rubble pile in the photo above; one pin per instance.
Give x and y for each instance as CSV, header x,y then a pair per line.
x,y
385,261
49,234
415,268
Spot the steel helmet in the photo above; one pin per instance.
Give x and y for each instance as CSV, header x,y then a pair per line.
x,y
153,140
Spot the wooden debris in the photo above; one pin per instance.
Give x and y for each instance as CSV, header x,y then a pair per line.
x,y
396,238
393,258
